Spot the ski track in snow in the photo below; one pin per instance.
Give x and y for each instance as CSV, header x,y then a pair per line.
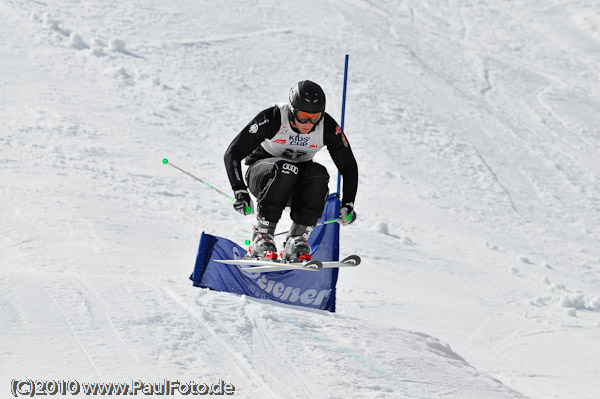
x,y
478,203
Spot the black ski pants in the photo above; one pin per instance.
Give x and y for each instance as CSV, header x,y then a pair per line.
x,y
277,183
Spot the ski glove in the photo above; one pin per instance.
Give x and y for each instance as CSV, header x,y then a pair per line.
x,y
347,214
243,203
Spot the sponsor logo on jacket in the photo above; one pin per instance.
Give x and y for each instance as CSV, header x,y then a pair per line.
x,y
298,140
288,167
345,141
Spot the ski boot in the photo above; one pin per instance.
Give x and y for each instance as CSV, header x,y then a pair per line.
x,y
296,247
263,241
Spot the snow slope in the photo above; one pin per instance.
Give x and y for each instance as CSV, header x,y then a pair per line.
x,y
475,126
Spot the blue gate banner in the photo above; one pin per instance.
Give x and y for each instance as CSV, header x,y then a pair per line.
x,y
295,287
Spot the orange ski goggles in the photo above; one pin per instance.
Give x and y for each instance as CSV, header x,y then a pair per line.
x,y
305,117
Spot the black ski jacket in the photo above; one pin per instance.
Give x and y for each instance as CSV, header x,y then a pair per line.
x,y
247,144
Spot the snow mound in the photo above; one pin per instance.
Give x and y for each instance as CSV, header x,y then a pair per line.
x,y
581,302
115,44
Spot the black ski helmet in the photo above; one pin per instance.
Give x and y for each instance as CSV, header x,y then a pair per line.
x,y
307,96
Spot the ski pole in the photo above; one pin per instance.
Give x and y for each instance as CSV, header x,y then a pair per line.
x,y
166,162
349,217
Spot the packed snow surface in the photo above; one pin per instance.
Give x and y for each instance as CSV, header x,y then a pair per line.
x,y
476,127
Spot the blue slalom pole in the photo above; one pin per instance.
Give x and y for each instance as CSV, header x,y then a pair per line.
x,y
339,182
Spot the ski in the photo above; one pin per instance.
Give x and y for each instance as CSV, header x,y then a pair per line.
x,y
265,266
348,261
261,266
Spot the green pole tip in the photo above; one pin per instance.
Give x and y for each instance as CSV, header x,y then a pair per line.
x,y
165,161
247,242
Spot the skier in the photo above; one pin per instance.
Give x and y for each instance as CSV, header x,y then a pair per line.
x,y
279,145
